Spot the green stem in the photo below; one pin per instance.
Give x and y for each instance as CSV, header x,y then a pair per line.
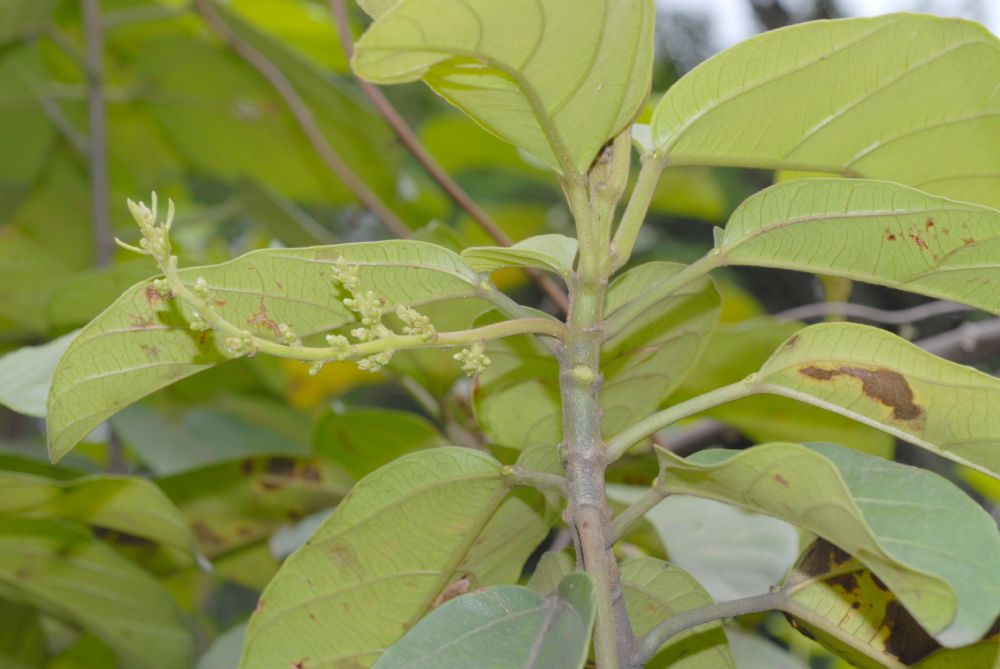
x,y
653,640
661,419
518,476
621,524
635,213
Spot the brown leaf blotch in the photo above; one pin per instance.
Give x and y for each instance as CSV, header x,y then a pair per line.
x,y
885,386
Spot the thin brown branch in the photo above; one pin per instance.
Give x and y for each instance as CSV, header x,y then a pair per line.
x,y
303,116
409,140
873,314
97,131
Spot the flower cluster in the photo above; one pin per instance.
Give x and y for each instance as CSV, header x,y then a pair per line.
x,y
473,359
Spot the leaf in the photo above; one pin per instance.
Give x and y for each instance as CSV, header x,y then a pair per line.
x,y
732,553
237,503
552,253
982,655
556,78
142,342
363,439
25,375
643,360
513,626
942,569
872,231
655,591
737,350
23,18
406,534
71,576
864,622
22,639
224,653
880,379
552,567
753,652
758,104
124,510
170,442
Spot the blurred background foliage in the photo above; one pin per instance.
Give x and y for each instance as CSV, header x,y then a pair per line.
x,y
148,545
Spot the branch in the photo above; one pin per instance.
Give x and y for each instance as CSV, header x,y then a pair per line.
x,y
635,212
409,139
304,117
654,639
518,476
623,521
98,136
873,314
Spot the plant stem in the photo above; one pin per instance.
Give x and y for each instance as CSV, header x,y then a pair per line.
x,y
517,475
583,449
661,419
635,213
653,640
621,524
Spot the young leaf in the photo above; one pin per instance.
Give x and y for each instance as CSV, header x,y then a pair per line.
x,y
556,78
142,342
858,618
880,379
552,253
759,104
514,627
873,231
942,568
655,591
66,573
420,530
643,360
126,510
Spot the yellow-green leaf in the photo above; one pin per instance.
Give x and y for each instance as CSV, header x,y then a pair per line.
x,y
906,97
872,231
942,569
422,529
883,380
142,342
553,253
556,78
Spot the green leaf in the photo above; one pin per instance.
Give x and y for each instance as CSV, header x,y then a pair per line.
x,y
363,439
557,79
69,575
552,253
644,358
26,374
982,655
24,18
552,567
224,653
234,504
757,104
142,342
732,553
942,569
513,626
880,379
655,591
427,526
738,350
22,639
872,231
862,621
124,510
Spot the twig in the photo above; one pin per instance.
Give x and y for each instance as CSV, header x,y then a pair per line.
x,y
873,314
304,117
409,139
966,343
125,17
97,143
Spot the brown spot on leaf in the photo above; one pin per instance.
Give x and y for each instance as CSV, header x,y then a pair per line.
x,y
342,555
152,295
152,352
140,322
847,582
310,472
459,587
969,241
781,480
891,237
906,639
280,466
885,386
929,224
262,320
918,240
792,343
247,467
299,664
205,535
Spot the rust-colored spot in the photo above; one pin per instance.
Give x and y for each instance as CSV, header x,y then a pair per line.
x,y
891,237
885,386
781,479
930,223
152,295
262,320
299,664
918,240
792,343
459,587
855,605
968,241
